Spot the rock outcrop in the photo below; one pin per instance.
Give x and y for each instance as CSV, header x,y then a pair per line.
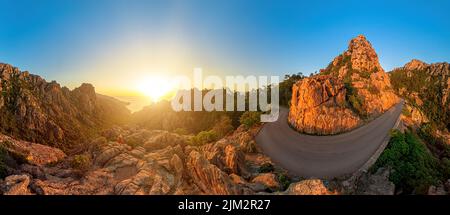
x,y
376,184
35,110
309,187
17,185
32,153
353,88
319,106
170,166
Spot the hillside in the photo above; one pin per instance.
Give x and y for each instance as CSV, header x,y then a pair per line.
x,y
39,111
427,88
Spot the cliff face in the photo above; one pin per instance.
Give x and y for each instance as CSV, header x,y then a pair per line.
x,y
318,106
44,112
354,87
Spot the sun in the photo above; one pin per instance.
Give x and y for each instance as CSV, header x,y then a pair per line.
x,y
155,87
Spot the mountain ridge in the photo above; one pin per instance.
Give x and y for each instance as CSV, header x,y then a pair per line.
x,y
44,112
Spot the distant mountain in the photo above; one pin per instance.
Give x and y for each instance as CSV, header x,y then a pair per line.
x,y
39,111
353,88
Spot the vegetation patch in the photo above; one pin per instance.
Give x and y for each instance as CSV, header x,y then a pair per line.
x,y
204,137
250,118
428,89
414,168
265,168
180,131
284,181
355,102
406,112
3,167
81,162
373,90
285,88
365,74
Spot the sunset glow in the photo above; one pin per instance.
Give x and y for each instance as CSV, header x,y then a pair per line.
x,y
155,87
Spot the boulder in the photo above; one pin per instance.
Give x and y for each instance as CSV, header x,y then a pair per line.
x,y
208,177
163,139
17,185
269,180
110,151
308,187
376,184
437,190
226,156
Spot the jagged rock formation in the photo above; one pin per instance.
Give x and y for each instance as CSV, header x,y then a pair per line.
x,y
354,87
44,112
221,167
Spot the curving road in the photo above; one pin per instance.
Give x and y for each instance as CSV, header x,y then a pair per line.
x,y
325,156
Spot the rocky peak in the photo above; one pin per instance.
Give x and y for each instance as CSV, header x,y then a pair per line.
x,y
434,69
352,88
360,57
415,65
6,71
363,56
440,69
86,89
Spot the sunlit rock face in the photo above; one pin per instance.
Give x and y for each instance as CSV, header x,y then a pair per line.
x,y
318,106
353,88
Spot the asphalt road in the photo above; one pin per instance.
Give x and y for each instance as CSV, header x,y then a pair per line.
x,y
324,156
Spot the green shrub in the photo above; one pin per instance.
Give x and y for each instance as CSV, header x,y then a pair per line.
x,y
285,87
250,118
414,167
406,112
284,181
427,132
355,102
446,167
204,137
81,162
365,74
223,127
374,90
265,168
180,131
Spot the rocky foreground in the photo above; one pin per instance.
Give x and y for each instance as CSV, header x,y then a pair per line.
x,y
352,89
139,162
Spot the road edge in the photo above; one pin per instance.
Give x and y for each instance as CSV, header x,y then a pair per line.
x,y
371,161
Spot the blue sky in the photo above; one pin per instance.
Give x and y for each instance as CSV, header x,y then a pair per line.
x,y
110,43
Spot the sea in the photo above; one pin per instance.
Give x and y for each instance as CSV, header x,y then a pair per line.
x,y
136,103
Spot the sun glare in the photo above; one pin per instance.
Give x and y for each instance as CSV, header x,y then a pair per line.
x,y
155,87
